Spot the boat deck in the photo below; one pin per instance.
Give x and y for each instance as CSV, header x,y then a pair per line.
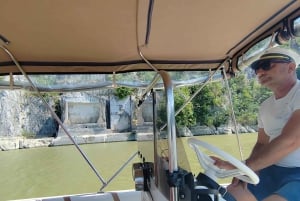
x,y
130,195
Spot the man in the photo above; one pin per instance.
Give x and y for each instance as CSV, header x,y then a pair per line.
x,y
276,154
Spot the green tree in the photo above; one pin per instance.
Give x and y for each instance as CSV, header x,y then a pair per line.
x,y
123,92
186,116
247,95
210,105
243,103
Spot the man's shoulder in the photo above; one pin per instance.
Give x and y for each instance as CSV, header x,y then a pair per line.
x,y
297,89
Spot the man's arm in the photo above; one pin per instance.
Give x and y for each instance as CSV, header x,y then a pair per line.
x,y
265,154
262,140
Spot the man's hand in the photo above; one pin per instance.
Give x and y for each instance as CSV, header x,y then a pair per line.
x,y
222,164
236,182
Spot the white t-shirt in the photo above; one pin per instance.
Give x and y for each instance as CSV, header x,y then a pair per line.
x,y
274,114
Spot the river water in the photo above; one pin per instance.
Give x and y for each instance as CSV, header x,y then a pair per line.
x,y
61,170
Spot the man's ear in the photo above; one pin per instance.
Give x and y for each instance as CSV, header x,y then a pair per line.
x,y
292,67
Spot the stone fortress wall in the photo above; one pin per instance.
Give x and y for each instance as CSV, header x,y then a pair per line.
x,y
88,117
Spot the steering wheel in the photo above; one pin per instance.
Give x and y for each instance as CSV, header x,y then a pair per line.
x,y
242,172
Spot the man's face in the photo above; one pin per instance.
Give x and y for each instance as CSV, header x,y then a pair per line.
x,y
274,74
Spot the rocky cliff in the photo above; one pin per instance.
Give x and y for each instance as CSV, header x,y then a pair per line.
x,y
23,114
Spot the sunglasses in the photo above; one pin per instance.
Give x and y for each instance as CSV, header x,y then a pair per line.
x,y
266,64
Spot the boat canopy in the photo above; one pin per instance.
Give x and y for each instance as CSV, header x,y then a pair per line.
x,y
76,36
53,37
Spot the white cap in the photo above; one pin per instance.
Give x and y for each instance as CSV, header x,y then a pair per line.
x,y
280,53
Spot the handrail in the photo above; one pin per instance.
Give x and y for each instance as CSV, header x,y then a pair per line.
x,y
118,171
173,166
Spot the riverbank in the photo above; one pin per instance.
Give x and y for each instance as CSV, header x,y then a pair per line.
x,y
12,143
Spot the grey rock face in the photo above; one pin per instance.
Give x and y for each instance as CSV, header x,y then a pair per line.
x,y
22,114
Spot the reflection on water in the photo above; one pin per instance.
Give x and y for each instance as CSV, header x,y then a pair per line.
x,y
62,170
